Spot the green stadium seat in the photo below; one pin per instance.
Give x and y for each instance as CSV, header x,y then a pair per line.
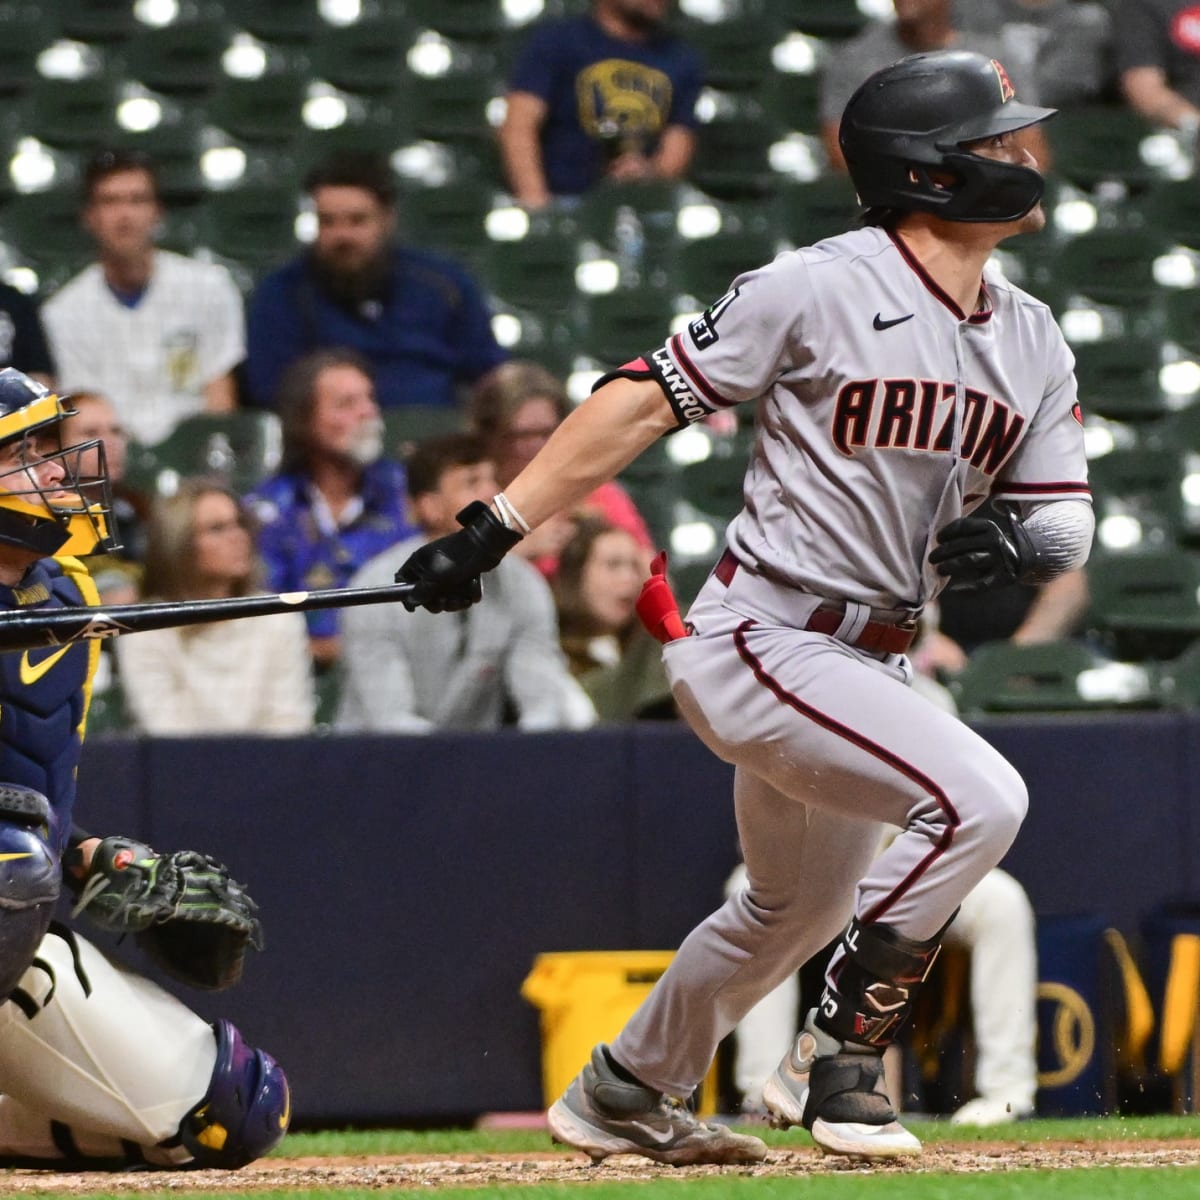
x,y
732,149
824,18
1110,266
253,224
707,267
243,447
653,483
364,56
450,219
1145,605
466,20
1181,315
1002,677
714,486
408,424
805,213
280,20
736,50
175,146
551,339
260,110
1144,483
655,205
1172,209
1094,144
1118,378
44,230
792,98
687,578
620,325
454,107
380,130
183,57
23,35
537,271
93,20
79,113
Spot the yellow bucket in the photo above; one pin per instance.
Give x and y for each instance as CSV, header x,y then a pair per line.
x,y
585,998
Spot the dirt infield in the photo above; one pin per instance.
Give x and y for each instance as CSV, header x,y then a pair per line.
x,y
427,1172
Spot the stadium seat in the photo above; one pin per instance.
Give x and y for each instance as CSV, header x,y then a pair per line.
x,y
714,486
44,231
1095,144
254,224
1143,483
71,113
654,204
736,50
24,33
364,56
94,20
707,267
653,482
1172,209
1145,605
467,20
183,57
1118,378
1181,315
280,20
408,424
450,219
454,107
1110,266
260,110
732,149
537,271
1003,677
807,212
618,326
175,146
824,18
243,447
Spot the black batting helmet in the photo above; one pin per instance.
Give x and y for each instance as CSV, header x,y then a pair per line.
x,y
915,117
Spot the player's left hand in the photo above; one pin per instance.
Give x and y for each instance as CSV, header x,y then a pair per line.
x,y
974,553
446,572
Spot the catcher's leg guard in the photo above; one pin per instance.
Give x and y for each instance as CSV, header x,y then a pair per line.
x,y
30,879
108,1061
876,985
244,1113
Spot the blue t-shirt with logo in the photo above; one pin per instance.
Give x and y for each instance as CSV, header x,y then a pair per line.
x,y
603,95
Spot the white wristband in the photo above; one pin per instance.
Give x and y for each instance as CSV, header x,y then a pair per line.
x,y
509,515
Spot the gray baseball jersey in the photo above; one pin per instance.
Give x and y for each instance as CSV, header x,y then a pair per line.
x,y
858,360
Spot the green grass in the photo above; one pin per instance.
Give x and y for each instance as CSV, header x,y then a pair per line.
x,y
519,1141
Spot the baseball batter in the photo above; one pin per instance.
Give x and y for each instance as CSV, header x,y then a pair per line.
x,y
895,388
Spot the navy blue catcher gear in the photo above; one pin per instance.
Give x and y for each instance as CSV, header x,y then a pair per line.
x,y
904,130
74,519
246,1110
30,880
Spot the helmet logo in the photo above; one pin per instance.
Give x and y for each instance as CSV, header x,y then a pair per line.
x,y
1007,91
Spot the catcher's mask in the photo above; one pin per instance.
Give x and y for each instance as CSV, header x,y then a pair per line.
x,y
904,129
72,516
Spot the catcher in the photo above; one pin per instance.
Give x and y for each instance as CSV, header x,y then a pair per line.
x,y
99,1067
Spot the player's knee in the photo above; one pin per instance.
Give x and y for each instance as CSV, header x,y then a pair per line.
x,y
30,879
246,1110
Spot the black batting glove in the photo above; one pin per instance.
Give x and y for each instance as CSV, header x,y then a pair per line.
x,y
974,553
445,572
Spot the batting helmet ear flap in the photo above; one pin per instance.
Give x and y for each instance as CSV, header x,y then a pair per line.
x,y
913,120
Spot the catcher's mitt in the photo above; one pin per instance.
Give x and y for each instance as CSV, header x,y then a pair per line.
x,y
185,910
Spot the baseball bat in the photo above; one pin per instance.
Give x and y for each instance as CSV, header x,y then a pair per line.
x,y
31,628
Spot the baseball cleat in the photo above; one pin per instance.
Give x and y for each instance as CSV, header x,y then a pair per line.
x,y
840,1099
602,1114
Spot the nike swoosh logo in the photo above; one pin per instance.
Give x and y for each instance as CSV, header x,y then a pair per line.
x,y
881,324
31,672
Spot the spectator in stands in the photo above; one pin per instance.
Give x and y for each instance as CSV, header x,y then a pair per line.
x,y
515,410
413,672
336,501
616,661
158,333
1063,46
920,25
22,337
248,676
95,418
606,95
418,318
1158,57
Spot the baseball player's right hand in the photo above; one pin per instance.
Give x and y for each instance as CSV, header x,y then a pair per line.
x,y
445,573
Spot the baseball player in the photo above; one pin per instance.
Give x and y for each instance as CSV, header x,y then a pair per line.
x,y
895,388
99,1067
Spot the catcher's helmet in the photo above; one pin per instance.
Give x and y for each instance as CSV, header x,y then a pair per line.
x,y
75,517
915,116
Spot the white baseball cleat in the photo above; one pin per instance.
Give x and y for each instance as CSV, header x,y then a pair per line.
x,y
840,1099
